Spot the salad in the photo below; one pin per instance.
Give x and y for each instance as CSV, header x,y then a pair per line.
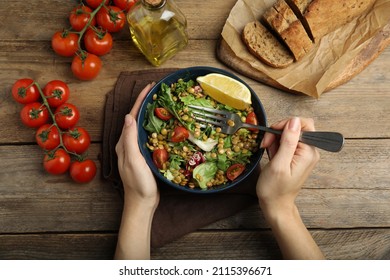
x,y
190,153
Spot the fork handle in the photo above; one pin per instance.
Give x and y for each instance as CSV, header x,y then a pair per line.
x,y
328,141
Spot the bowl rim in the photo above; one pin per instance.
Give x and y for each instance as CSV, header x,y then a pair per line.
x,y
157,174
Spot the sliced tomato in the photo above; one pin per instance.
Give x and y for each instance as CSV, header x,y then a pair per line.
x,y
163,114
160,156
179,134
251,118
234,171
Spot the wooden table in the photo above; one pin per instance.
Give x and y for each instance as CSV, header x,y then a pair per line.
x,y
345,203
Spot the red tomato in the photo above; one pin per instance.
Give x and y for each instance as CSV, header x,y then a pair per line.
x,y
86,66
160,156
48,137
252,119
95,3
76,140
162,114
34,114
56,163
234,171
56,92
124,5
179,134
98,42
111,18
65,43
66,116
80,16
24,91
83,171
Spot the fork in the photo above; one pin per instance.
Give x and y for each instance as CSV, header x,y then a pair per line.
x,y
231,122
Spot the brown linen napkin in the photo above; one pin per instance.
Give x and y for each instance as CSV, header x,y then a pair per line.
x,y
178,212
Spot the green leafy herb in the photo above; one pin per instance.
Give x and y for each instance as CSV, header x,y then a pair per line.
x,y
151,122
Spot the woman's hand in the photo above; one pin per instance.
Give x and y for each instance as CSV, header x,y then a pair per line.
x,y
137,178
140,188
280,181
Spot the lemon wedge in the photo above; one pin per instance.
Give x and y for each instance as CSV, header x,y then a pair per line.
x,y
226,90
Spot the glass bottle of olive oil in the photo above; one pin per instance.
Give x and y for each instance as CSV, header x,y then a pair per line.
x,y
158,28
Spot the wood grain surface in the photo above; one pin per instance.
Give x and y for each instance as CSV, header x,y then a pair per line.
x,y
344,203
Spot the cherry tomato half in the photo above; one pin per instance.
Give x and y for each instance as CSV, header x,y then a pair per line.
x,y
56,163
111,18
57,93
79,17
83,171
76,140
65,43
67,115
98,42
252,119
86,66
160,156
24,91
125,5
48,137
234,171
162,114
34,115
179,134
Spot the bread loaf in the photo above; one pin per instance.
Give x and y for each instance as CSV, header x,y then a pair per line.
x,y
325,16
262,44
292,27
285,23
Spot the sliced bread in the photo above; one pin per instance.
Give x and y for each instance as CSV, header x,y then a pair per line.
x,y
285,23
265,46
340,13
299,7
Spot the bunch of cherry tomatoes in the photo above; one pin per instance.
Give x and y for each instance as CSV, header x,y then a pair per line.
x,y
89,36
48,111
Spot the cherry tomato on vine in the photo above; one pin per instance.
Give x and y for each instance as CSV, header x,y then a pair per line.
x,y
65,43
234,171
179,134
34,114
252,119
76,140
56,162
80,16
111,18
95,3
67,116
83,171
86,66
160,156
48,137
124,5
98,42
24,92
57,93
163,114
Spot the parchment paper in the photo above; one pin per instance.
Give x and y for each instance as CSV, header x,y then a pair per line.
x,y
325,62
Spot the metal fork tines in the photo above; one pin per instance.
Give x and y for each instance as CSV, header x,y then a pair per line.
x,y
217,117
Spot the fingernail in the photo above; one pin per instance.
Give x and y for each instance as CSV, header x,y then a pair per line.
x,y
294,124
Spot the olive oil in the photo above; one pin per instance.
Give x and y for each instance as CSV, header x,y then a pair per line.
x,y
158,30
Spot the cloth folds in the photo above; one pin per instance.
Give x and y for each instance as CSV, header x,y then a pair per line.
x,y
178,212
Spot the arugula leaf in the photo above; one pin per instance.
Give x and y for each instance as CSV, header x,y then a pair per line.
x,y
151,122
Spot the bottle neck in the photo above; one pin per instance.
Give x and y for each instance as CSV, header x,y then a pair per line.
x,y
154,4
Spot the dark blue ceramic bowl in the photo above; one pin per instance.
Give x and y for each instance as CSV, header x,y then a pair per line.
x,y
186,74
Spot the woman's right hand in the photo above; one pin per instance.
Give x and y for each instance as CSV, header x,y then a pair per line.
x,y
291,162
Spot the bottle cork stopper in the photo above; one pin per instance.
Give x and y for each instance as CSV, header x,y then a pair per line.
x,y
154,3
